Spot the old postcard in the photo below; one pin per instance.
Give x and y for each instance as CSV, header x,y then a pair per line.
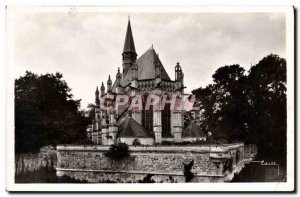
x,y
150,98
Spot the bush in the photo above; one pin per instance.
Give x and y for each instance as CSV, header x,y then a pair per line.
x,y
118,151
188,171
136,142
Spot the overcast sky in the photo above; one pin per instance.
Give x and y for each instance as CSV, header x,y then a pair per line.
x,y
87,47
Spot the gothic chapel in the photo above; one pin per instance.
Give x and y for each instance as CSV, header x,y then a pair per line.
x,y
142,76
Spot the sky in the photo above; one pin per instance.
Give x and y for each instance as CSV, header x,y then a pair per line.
x,y
86,47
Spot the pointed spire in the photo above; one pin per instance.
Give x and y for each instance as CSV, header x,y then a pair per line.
x,y
109,80
118,73
129,43
109,83
97,101
102,86
118,78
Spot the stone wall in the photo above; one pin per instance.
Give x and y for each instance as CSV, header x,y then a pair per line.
x,y
212,163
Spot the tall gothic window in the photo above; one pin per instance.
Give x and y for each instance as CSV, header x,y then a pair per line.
x,y
147,115
166,119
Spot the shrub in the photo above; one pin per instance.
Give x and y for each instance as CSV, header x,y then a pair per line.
x,y
136,142
188,171
118,151
147,179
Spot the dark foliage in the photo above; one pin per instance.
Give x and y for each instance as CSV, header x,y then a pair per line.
x,y
187,171
249,108
136,142
44,175
118,151
45,113
147,179
91,111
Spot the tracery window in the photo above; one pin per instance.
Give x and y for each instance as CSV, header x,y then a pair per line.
x,y
147,115
166,119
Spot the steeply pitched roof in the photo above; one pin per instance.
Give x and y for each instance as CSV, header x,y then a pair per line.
x,y
129,43
146,68
192,130
130,128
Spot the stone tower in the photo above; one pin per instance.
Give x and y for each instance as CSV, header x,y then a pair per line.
x,y
129,54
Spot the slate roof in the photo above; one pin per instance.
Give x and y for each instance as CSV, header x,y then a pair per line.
x,y
129,43
130,128
192,130
146,68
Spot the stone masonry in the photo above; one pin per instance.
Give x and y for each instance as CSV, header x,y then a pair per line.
x,y
212,163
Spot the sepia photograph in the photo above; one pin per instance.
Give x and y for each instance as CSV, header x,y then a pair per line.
x,y
150,98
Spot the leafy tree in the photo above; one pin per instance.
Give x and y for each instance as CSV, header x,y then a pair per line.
x,y
91,111
46,113
267,98
222,104
249,108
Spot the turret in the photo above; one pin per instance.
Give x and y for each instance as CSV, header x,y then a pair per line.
x,y
97,100
109,84
113,128
178,72
129,54
179,77
102,88
119,88
118,78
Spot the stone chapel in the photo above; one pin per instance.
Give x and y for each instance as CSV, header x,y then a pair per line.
x,y
141,76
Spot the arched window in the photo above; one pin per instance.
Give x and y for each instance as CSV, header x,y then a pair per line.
x,y
147,115
166,118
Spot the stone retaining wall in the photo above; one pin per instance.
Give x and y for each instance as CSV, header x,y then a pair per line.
x,y
212,163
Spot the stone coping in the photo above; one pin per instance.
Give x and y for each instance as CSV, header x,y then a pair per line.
x,y
174,149
179,173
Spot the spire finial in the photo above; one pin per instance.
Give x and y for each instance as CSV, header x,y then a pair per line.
x,y
102,86
109,77
128,17
118,69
